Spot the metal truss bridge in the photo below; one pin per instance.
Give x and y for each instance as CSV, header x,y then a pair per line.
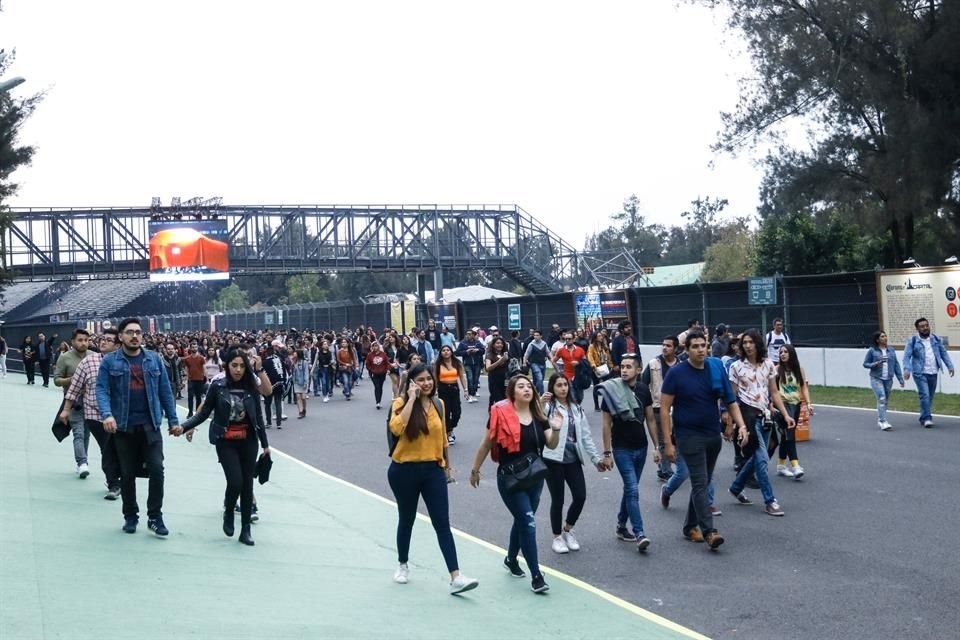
x,y
65,243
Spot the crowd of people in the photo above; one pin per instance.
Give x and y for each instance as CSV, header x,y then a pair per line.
x,y
747,388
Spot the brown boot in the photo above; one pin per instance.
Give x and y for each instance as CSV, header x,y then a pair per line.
x,y
714,540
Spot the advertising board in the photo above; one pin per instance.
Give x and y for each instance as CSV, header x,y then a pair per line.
x,y
183,251
904,295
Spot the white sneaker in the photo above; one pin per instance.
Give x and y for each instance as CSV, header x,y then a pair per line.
x,y
784,470
462,583
927,424
402,575
559,546
83,470
798,472
572,543
884,426
326,398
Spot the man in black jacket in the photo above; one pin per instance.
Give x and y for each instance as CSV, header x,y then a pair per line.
x,y
274,366
43,358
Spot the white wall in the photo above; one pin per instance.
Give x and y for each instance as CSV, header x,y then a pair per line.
x,y
841,367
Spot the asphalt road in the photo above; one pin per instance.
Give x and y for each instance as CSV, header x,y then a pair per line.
x,y
864,550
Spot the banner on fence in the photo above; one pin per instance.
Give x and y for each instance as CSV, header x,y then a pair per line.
x,y
905,295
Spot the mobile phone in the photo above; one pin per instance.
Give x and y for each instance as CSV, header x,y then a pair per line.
x,y
418,392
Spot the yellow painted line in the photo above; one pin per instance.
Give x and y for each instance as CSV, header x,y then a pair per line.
x,y
589,588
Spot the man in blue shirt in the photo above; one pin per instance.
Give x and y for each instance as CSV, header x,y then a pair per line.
x,y
924,356
691,390
133,393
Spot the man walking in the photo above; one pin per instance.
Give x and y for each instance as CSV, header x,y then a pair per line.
x,y
133,394
653,375
174,366
535,356
776,338
43,358
569,356
196,378
470,350
63,373
924,356
688,408
626,406
624,342
83,393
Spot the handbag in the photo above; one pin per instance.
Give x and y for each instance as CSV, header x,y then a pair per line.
x,y
603,371
524,473
235,432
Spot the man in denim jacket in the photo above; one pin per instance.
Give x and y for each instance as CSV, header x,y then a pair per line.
x,y
133,393
924,356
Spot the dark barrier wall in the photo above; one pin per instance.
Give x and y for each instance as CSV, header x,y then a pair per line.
x,y
837,310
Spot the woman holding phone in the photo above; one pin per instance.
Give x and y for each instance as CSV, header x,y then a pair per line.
x,y
420,467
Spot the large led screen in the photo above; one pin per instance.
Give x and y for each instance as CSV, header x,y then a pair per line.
x,y
183,250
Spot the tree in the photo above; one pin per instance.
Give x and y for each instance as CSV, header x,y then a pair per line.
x,y
877,84
732,257
305,288
230,298
642,241
13,155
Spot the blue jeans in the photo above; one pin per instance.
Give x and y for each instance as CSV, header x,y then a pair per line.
x,y
409,481
630,465
473,378
757,462
882,389
523,534
536,371
680,476
346,380
926,387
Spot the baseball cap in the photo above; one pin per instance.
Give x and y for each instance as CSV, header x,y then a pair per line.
x,y
493,327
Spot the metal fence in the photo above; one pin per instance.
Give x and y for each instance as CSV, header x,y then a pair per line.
x,y
838,310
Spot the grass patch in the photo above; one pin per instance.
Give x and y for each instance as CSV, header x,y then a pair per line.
x,y
905,400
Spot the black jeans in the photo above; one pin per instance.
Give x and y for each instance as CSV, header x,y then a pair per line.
x,y
239,461
194,395
700,454
378,379
450,394
135,446
409,481
45,371
788,437
570,474
109,462
29,368
275,399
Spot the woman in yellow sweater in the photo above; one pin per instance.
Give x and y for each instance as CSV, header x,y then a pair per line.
x,y
419,467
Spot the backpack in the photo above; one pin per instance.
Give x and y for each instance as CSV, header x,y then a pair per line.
x,y
392,440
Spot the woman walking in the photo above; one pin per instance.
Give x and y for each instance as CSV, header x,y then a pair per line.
x,y
518,430
795,392
566,462
323,368
882,362
495,362
390,350
451,377
300,376
420,467
377,364
346,366
598,354
237,426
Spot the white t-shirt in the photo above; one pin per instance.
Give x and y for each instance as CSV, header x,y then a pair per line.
x,y
929,360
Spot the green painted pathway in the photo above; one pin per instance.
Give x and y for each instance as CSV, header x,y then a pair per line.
x,y
322,566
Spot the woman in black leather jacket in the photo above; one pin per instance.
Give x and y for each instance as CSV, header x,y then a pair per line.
x,y
237,426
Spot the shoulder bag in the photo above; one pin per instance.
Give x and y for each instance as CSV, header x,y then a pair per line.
x,y
525,472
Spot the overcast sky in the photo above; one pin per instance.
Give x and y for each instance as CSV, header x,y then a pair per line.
x,y
563,108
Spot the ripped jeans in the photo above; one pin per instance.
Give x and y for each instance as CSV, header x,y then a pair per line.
x,y
523,534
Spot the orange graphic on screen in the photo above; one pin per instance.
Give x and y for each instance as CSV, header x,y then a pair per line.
x,y
185,247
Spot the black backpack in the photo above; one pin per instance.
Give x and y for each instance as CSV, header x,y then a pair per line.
x,y
392,440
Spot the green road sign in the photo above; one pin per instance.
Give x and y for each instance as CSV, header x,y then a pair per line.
x,y
762,291
513,317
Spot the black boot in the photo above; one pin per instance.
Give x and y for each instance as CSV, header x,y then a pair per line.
x,y
228,522
245,535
